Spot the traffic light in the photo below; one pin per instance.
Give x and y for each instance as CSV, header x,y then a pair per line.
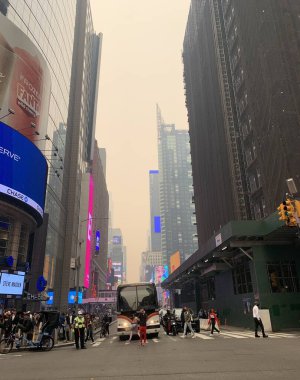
x,y
297,207
281,210
289,211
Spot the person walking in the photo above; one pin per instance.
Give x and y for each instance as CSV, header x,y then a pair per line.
x,y
134,328
258,321
79,327
187,323
89,328
212,320
143,327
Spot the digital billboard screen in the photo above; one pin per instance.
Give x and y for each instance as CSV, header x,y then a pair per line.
x,y
11,284
72,295
50,301
25,82
97,247
23,170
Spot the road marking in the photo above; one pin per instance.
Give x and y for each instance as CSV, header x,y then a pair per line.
x,y
202,336
155,340
115,337
233,335
96,344
173,339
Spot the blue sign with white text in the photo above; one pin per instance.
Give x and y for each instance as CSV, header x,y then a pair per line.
x,y
51,298
72,295
23,169
97,240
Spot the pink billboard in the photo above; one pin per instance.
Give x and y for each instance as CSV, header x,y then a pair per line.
x,y
89,234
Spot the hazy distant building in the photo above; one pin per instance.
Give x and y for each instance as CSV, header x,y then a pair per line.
x,y
117,253
176,192
243,109
155,218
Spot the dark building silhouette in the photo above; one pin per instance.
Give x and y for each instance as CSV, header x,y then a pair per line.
x,y
241,71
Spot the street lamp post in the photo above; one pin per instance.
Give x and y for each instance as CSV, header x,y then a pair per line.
x,y
77,261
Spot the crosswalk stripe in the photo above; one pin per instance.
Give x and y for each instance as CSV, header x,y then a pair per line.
x,y
202,336
155,340
173,339
233,335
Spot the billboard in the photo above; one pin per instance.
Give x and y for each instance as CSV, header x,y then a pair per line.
x,y
11,284
25,82
89,231
174,261
97,238
50,301
23,173
72,295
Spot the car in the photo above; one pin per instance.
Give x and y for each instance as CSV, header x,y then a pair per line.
x,y
195,320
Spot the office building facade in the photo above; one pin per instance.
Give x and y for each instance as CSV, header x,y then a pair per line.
x,y
242,106
155,219
176,192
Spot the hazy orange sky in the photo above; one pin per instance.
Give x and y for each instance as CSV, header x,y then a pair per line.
x,y
141,66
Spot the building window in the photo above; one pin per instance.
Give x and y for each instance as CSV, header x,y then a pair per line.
x,y
22,252
207,289
242,282
283,277
5,226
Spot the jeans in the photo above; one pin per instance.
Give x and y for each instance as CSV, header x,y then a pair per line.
x,y
213,326
189,325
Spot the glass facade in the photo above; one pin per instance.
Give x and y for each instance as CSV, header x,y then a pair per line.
x,y
50,26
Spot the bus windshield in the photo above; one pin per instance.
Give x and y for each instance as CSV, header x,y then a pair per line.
x,y
133,298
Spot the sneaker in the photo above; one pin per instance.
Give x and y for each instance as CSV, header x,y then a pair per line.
x,y
146,342
265,336
127,342
211,334
257,336
182,336
193,336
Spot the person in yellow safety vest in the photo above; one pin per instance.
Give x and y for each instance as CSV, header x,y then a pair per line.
x,y
79,330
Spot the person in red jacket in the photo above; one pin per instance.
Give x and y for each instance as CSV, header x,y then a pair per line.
x,y
212,320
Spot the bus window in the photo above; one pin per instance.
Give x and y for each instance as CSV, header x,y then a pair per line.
x,y
146,297
127,299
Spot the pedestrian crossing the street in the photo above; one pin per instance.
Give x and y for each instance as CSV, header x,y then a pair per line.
x,y
203,335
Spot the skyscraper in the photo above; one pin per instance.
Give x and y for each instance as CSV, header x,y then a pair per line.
x,y
176,191
243,107
155,219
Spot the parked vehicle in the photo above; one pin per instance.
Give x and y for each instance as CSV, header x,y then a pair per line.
x,y
195,321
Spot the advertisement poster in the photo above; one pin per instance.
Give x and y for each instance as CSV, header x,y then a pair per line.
x,y
23,173
174,261
24,82
11,284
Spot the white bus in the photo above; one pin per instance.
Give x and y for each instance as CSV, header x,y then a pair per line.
x,y
131,298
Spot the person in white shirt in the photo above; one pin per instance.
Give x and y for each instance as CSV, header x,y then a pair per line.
x,y
258,321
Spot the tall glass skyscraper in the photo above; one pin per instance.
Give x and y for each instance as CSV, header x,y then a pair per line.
x,y
176,191
155,219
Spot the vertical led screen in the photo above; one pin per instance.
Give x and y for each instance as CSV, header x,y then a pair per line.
x,y
24,82
89,232
174,261
97,245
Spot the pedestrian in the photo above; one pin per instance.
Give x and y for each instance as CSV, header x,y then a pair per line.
x,y
212,320
143,327
134,330
187,322
89,328
79,329
258,321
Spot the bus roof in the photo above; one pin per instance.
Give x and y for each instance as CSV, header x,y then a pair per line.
x,y
136,284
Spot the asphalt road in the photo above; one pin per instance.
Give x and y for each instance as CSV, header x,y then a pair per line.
x,y
232,355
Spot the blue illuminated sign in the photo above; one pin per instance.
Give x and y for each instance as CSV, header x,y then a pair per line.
x,y
153,171
157,225
165,273
23,173
72,295
51,298
97,240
